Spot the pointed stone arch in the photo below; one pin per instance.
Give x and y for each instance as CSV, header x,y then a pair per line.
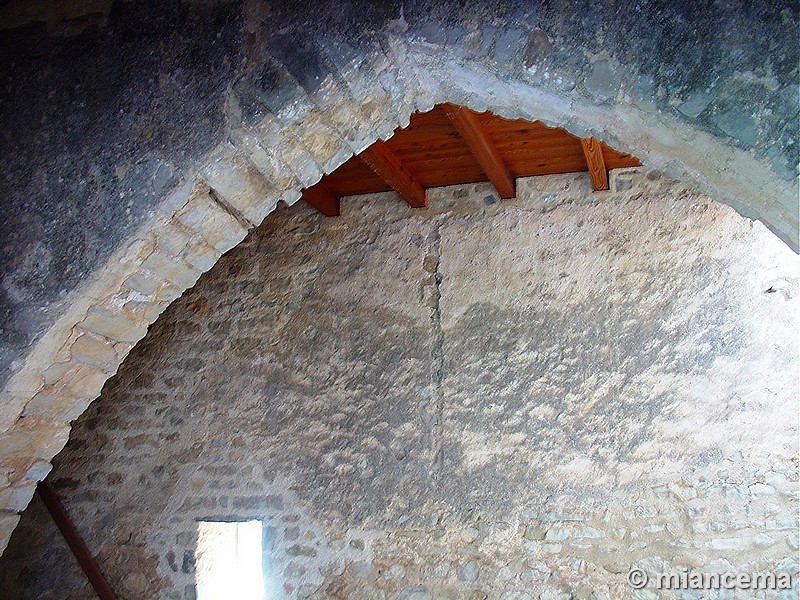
x,y
313,126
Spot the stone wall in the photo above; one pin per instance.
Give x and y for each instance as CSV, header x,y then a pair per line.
x,y
144,139
483,399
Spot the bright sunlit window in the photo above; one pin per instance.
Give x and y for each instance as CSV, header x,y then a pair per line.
x,y
229,560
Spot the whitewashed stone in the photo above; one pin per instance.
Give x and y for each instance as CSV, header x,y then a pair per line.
x,y
172,269
206,217
8,521
113,325
242,187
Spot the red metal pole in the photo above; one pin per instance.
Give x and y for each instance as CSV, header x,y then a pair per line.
x,y
74,541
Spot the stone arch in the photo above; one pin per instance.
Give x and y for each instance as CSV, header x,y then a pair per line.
x,y
325,101
438,386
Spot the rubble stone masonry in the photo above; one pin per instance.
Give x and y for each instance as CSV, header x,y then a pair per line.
x,y
488,400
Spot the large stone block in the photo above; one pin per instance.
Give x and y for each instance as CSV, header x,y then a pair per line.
x,y
300,161
242,187
8,522
114,324
172,269
216,225
94,351
56,407
31,439
16,497
325,146
202,256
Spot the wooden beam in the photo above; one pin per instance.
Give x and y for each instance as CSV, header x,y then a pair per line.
x,y
388,167
593,152
322,199
471,132
74,541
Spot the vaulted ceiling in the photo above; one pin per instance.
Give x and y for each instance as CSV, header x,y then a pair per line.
x,y
453,145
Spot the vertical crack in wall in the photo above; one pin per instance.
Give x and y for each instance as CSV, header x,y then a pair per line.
x,y
431,264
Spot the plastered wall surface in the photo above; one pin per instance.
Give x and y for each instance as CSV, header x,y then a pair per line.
x,y
484,399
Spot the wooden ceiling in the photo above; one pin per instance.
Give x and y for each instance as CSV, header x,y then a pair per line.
x,y
453,145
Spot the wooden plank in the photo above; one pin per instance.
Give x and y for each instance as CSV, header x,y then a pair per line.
x,y
389,168
498,130
534,143
434,169
488,118
530,166
321,198
615,159
444,172
354,178
356,187
470,130
442,132
593,151
577,165
539,150
433,153
74,541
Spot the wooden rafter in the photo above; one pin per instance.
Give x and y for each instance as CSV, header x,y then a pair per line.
x,y
74,541
593,152
322,199
452,146
388,167
471,132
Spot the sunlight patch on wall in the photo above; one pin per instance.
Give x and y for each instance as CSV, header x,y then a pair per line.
x,y
230,560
